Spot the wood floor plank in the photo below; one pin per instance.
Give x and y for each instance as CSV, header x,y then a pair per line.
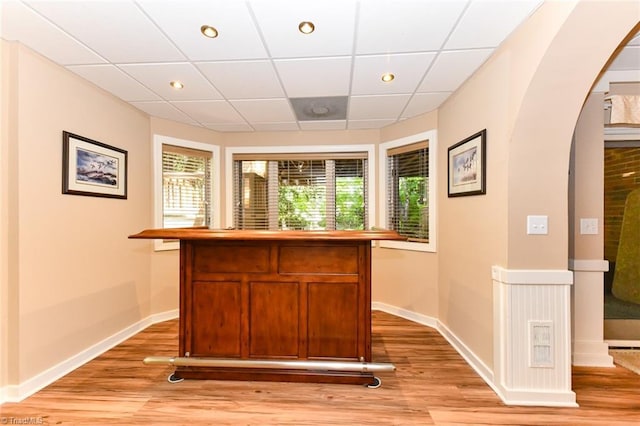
x,y
432,385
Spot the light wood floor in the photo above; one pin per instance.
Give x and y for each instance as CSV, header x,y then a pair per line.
x,y
432,385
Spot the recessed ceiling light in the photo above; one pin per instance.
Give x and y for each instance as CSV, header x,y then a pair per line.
x,y
320,110
209,31
387,77
306,27
176,84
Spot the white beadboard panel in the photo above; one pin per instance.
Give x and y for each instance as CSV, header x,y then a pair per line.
x,y
538,303
522,297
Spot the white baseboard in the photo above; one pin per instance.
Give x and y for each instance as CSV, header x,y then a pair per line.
x,y
591,354
538,398
472,359
16,393
406,314
508,396
476,363
164,316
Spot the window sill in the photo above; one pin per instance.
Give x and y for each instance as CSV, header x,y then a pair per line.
x,y
407,245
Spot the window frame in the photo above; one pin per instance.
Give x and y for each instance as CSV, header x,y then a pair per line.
x,y
214,205
301,149
432,137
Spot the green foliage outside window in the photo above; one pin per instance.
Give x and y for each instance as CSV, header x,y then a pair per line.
x,y
349,203
304,206
301,207
413,218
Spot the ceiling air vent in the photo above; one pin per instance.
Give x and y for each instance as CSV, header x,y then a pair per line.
x,y
314,109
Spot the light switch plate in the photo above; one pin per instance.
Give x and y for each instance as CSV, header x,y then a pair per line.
x,y
537,225
589,226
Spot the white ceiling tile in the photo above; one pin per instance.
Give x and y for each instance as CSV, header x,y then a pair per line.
x,y
323,125
158,76
408,70
219,112
237,34
229,127
22,23
334,22
243,79
164,110
627,59
408,26
486,23
276,127
377,107
264,109
424,102
116,30
451,69
369,124
111,79
315,76
247,78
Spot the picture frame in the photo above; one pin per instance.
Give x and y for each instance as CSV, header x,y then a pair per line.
x,y
466,169
93,168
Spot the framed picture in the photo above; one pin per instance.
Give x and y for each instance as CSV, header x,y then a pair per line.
x,y
467,166
93,168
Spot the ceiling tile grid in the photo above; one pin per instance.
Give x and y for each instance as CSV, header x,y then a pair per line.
x,y
246,78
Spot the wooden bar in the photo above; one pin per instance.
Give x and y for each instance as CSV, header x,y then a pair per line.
x,y
274,295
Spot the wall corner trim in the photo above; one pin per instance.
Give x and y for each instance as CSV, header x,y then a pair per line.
x,y
532,276
17,393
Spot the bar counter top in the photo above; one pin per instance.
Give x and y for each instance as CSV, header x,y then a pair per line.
x,y
249,235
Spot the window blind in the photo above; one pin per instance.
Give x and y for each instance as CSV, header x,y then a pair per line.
x,y
299,192
186,187
407,191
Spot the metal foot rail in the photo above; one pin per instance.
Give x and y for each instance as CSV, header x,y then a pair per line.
x,y
364,367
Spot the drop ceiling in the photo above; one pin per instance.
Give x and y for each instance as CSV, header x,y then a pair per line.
x,y
246,78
